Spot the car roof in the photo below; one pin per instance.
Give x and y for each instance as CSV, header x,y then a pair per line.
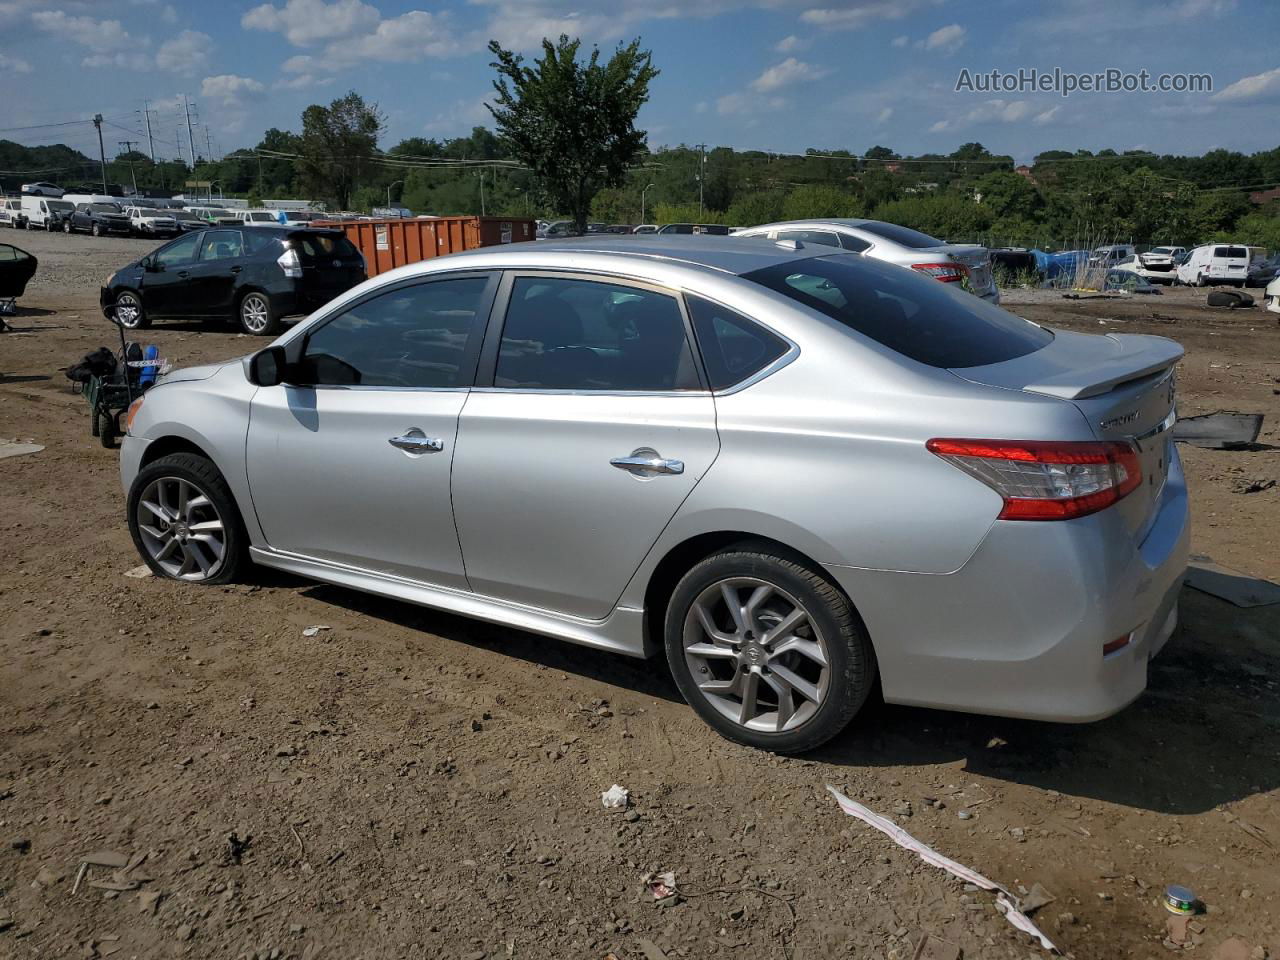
x,y
817,222
720,253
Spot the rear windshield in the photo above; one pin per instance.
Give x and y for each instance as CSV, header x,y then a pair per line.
x,y
903,235
1238,252
60,205
313,245
921,319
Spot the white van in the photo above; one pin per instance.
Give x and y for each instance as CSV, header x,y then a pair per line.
x,y
256,218
79,198
1216,263
46,213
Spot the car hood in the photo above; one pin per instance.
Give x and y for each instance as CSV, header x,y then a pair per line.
x,y
202,372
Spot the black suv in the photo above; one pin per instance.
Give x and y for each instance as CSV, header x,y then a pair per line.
x,y
98,218
254,276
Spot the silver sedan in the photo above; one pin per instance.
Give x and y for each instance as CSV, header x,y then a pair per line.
x,y
798,473
964,264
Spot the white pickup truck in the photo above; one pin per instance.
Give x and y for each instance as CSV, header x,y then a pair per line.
x,y
149,222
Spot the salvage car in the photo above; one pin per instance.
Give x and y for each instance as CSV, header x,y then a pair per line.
x,y
801,474
1160,264
964,264
255,276
1216,263
98,219
149,222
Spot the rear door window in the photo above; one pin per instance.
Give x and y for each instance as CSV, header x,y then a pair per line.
x,y
824,237
221,245
733,347
856,244
914,316
569,334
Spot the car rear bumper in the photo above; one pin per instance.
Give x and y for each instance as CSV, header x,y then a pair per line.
x,y
1019,629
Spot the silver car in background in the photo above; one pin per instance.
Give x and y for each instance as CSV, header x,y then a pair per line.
x,y
797,472
964,264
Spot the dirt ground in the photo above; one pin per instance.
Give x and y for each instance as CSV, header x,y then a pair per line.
x,y
408,784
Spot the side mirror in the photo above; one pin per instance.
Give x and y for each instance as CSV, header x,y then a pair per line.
x,y
152,266
267,367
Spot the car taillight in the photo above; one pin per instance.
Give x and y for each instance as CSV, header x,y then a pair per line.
x,y
1047,480
290,263
946,272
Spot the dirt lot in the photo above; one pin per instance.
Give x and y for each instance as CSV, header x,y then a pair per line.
x,y
409,784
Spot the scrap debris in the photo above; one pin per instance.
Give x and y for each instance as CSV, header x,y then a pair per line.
x,y
1223,430
615,798
1006,902
1230,585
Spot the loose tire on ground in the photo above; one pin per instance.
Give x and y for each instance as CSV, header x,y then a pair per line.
x,y
831,631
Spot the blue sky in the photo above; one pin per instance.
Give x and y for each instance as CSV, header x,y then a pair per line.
x,y
778,75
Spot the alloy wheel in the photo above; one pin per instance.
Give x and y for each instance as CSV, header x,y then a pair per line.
x,y
756,654
254,313
181,529
128,310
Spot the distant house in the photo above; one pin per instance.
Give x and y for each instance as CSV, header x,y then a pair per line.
x,y
1263,197
1023,170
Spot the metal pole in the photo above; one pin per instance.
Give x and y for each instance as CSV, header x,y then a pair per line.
x,y
702,172
482,193
208,142
642,193
191,140
102,151
151,143
128,148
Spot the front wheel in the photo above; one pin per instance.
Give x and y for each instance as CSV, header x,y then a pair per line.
x,y
66,226
767,650
129,311
184,521
96,229
256,316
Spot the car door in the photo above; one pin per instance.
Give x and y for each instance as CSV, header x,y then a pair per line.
x,y
214,271
588,428
165,288
349,460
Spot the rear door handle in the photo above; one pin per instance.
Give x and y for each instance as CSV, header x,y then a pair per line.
x,y
647,463
415,441
236,269
184,274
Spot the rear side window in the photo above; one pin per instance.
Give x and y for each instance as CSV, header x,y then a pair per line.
x,y
318,246
410,337
824,237
221,245
566,334
856,244
915,316
733,347
262,242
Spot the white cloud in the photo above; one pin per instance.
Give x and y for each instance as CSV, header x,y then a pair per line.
x,y
989,111
168,14
853,14
701,106
1046,116
883,116
118,61
411,36
1189,9
101,35
461,115
307,22
744,103
948,39
229,88
299,64
788,73
188,52
1259,88
899,42
790,44
13,64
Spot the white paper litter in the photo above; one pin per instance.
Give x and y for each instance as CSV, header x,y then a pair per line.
x,y
1006,902
312,631
615,798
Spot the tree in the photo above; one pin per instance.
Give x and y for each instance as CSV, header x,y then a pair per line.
x,y
814,202
571,123
336,144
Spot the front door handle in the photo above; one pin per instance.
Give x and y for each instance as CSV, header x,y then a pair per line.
x,y
236,269
184,274
647,463
415,441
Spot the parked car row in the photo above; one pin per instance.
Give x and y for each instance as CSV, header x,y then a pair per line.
x,y
102,215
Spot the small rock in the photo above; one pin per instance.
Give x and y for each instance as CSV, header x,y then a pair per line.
x,y
902,809
22,845
477,955
296,928
286,751
631,816
1176,929
47,877
476,726
149,901
153,705
1246,894
964,814
185,932
1066,920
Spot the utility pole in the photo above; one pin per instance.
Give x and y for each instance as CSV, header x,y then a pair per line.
x,y
102,151
178,142
128,148
702,176
259,174
191,140
208,142
482,192
151,143
642,193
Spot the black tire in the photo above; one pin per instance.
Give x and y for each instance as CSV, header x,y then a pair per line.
x,y
201,472
66,226
248,306
132,305
851,662
96,229
106,429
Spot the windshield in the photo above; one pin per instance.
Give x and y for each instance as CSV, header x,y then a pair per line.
x,y
913,315
1162,250
147,212
258,215
183,215
104,208
217,213
902,235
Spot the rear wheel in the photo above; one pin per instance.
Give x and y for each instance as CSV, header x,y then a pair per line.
x,y
106,429
256,316
96,229
768,651
184,520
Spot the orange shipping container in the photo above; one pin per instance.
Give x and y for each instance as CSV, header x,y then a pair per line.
x,y
387,244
